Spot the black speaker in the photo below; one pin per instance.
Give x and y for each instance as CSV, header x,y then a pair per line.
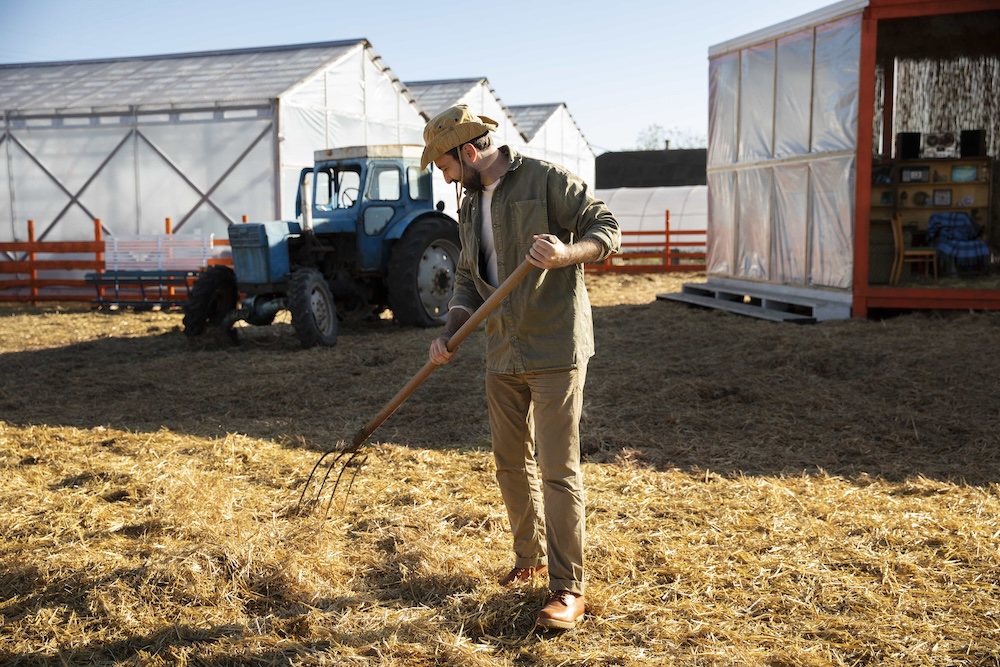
x,y
972,143
908,146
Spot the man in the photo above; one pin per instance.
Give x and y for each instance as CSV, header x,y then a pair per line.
x,y
539,339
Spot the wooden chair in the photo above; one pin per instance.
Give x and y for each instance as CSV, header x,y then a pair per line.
x,y
906,253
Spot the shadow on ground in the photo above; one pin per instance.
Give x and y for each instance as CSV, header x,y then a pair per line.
x,y
671,386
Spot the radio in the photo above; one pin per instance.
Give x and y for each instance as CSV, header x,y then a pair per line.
x,y
939,144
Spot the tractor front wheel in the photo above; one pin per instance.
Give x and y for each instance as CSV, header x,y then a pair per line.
x,y
422,272
314,315
213,296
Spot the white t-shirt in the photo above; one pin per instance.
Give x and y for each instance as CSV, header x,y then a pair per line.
x,y
488,245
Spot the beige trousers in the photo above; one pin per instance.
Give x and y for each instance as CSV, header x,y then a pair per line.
x,y
535,425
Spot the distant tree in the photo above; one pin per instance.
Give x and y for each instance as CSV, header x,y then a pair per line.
x,y
655,138
651,138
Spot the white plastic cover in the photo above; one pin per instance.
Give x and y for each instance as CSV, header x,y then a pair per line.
x,y
543,131
756,103
793,90
835,85
202,170
57,176
783,116
724,103
644,209
832,214
754,231
482,100
791,215
559,140
720,245
353,102
203,167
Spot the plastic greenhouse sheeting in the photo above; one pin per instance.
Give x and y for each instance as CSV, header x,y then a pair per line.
x,y
643,209
192,137
557,138
783,116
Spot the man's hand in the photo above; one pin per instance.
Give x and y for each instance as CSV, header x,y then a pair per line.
x,y
549,252
439,350
439,353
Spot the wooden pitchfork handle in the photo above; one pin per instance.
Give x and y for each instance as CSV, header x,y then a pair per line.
x,y
470,325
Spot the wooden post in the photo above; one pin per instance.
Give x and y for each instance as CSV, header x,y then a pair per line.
x,y
667,252
32,271
169,229
99,253
99,238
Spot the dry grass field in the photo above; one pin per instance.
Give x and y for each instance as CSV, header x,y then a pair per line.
x,y
758,494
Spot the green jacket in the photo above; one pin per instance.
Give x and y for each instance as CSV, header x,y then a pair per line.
x,y
545,323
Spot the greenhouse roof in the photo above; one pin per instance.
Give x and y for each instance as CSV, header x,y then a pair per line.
x,y
433,97
179,80
531,117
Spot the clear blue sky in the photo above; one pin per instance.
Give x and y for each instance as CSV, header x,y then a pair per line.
x,y
620,65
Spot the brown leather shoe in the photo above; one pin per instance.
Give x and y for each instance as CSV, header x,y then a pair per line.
x,y
562,611
521,575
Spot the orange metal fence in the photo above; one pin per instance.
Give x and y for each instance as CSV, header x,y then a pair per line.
x,y
657,251
30,279
56,277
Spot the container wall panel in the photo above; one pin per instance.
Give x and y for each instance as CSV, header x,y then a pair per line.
x,y
793,90
756,119
789,238
723,109
753,227
835,86
831,222
783,117
721,223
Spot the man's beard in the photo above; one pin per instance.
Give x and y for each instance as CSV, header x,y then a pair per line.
x,y
472,178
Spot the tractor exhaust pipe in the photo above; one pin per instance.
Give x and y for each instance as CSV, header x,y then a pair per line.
x,y
306,200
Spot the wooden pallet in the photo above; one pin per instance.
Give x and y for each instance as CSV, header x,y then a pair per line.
x,y
770,302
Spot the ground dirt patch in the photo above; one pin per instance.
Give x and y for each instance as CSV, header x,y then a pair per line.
x,y
758,494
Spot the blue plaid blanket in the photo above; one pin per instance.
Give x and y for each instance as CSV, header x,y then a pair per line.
x,y
956,238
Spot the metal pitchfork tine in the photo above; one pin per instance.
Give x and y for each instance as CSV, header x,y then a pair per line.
x,y
351,452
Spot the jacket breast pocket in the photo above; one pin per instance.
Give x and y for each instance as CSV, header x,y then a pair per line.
x,y
528,217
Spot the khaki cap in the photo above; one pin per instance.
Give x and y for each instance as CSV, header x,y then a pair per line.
x,y
450,129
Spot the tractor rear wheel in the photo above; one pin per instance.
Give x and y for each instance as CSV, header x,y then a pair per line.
x,y
314,315
422,272
213,296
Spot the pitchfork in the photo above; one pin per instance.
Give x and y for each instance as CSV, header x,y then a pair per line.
x,y
346,456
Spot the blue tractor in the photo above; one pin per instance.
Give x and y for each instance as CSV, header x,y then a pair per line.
x,y
370,238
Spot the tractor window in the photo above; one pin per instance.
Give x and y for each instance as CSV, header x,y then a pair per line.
x,y
348,186
420,183
323,187
384,184
336,188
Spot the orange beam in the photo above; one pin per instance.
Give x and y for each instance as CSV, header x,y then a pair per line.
x,y
863,162
932,299
49,265
45,282
31,265
52,246
899,9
